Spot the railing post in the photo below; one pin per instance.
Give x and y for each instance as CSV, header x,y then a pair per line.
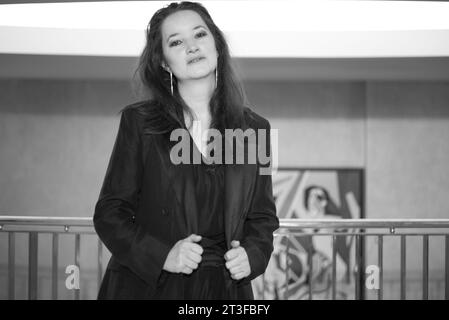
x,y
357,266
403,266
32,265
77,263
380,246
362,264
54,267
287,267
11,265
334,267
446,287
425,267
310,263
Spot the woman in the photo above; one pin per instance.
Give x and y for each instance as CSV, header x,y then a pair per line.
x,y
184,231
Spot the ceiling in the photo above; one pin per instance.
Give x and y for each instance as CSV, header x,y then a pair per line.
x,y
285,40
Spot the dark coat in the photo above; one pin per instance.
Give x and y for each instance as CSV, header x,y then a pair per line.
x,y
147,204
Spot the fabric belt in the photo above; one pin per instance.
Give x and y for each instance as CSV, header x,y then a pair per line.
x,y
214,251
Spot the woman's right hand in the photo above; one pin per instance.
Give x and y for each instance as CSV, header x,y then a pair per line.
x,y
185,255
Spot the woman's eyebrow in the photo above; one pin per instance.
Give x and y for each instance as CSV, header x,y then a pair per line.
x,y
199,26
175,34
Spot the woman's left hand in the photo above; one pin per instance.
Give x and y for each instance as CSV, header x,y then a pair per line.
x,y
237,261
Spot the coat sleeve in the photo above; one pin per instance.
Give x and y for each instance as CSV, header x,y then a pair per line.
x,y
130,244
261,222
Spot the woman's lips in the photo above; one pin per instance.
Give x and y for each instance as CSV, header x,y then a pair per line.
x,y
195,60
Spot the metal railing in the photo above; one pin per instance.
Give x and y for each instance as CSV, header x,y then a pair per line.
x,y
360,230
357,229
35,226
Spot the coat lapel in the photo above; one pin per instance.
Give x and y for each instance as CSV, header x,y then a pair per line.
x,y
179,186
239,180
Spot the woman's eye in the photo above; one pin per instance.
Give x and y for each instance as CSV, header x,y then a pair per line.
x,y
175,43
201,34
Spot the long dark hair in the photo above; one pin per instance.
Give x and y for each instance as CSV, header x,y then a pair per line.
x,y
228,99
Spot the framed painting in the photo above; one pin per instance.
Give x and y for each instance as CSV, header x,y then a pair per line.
x,y
305,193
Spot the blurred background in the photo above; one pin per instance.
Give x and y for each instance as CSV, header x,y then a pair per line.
x,y
360,85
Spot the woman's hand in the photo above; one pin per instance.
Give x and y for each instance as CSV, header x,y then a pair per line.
x,y
185,255
237,261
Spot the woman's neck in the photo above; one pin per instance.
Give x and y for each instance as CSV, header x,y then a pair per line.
x,y
197,94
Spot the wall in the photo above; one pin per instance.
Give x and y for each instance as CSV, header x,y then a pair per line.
x,y
407,156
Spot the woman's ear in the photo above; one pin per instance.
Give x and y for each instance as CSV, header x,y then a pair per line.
x,y
165,66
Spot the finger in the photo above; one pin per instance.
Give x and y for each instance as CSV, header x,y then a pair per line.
x,y
239,276
194,257
193,238
238,268
236,263
235,254
235,243
233,263
190,264
231,254
195,248
187,247
186,270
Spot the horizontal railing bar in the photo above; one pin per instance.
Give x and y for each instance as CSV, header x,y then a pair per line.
x,y
46,221
276,233
322,234
364,223
28,230
284,223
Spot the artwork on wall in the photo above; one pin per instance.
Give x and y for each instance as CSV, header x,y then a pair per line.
x,y
302,193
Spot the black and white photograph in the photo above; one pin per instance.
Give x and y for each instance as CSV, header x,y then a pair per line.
x,y
235,151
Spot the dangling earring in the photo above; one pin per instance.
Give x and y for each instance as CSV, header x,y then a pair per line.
x,y
171,82
216,78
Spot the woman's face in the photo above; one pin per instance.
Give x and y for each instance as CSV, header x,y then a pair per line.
x,y
317,202
188,46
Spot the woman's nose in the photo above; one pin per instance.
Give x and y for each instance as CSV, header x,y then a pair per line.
x,y
192,47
